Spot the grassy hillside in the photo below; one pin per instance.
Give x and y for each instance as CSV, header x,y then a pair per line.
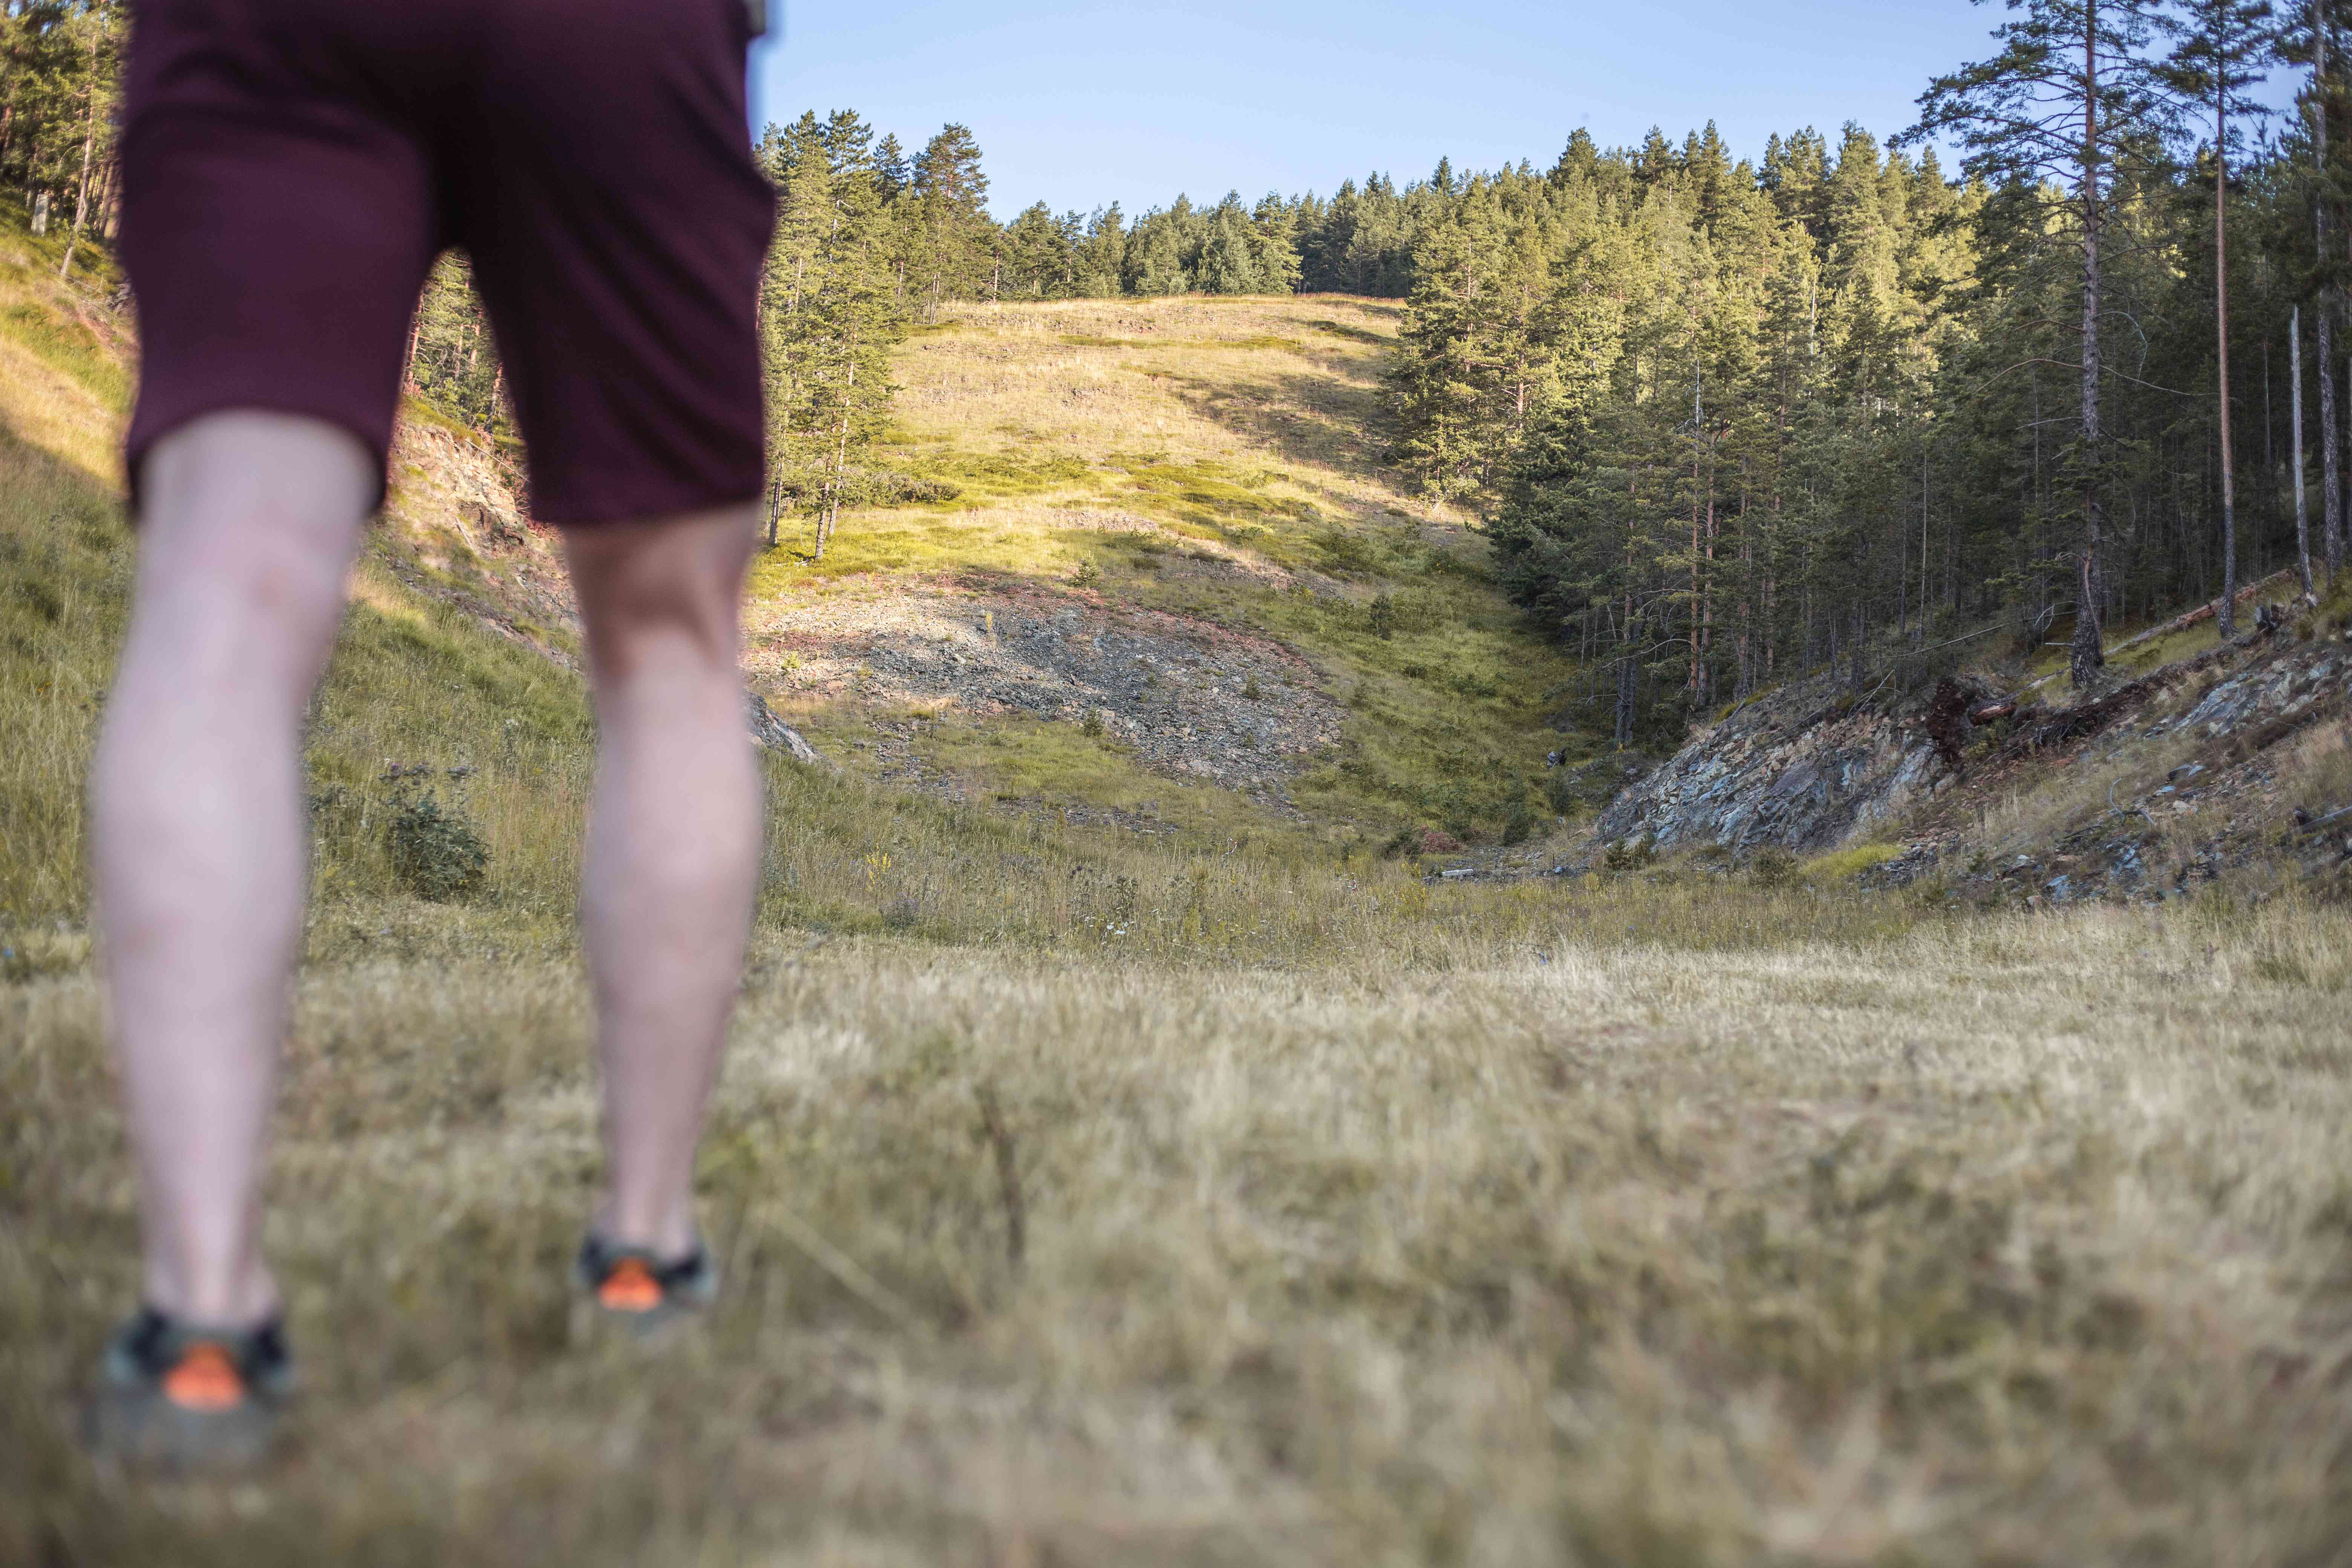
x,y
1092,1194
1211,466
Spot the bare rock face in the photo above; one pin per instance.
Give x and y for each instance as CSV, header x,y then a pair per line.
x,y
1806,772
1786,774
2284,688
780,737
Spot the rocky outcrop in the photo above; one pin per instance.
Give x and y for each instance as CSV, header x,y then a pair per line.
x,y
1796,771
780,737
2192,772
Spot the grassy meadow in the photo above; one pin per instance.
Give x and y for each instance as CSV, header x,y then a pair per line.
x,y
1087,1197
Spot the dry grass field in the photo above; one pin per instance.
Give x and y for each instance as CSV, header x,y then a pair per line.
x,y
1091,1197
2021,1241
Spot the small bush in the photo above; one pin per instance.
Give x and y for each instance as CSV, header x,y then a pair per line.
x,y
1382,617
1345,554
1773,866
1628,854
434,851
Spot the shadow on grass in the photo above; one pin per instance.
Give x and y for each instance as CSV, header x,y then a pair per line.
x,y
1335,420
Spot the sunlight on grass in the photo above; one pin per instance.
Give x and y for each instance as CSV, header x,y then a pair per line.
x,y
1155,457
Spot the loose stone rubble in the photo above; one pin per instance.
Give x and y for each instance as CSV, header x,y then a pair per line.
x,y
1185,697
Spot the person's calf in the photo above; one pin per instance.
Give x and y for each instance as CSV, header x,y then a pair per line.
x,y
673,849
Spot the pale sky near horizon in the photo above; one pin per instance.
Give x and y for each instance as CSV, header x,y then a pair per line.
x,y
1080,104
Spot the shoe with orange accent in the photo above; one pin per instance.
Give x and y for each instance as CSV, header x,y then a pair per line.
x,y
632,1286
180,1396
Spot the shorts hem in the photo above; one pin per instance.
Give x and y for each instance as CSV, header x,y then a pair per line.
x,y
149,432
647,506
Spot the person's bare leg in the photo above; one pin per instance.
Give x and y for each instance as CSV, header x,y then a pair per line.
x,y
198,841
674,844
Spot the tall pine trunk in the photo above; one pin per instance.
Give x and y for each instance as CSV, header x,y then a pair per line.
x,y
2331,491
88,146
2088,653
2302,514
2221,326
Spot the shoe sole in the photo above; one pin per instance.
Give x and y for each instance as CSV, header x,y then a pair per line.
x,y
141,1430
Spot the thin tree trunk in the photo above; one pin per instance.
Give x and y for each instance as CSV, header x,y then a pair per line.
x,y
2294,403
88,146
2087,654
840,462
2331,494
2222,328
1697,468
1924,513
109,173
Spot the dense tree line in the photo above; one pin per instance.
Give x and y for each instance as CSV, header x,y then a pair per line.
x,y
1725,419
1730,420
59,63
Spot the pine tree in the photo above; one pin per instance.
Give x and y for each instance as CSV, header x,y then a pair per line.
x,y
2315,37
831,311
1226,260
1155,259
2070,97
2223,51
953,242
1036,256
1273,243
1101,252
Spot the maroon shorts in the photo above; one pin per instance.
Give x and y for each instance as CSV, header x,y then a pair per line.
x,y
291,168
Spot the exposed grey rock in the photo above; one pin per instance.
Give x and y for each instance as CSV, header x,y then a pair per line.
x,y
1180,695
778,736
1774,775
1799,773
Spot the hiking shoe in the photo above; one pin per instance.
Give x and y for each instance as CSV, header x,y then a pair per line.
x,y
179,1397
632,1285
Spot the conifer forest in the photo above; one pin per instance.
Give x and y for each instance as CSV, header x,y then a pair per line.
x,y
2051,352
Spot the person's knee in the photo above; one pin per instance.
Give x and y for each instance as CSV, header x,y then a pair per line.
x,y
662,593
248,527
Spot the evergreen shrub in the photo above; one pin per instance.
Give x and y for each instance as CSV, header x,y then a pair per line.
x,y
435,851
1628,854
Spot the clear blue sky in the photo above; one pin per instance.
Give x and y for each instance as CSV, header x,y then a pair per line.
x,y
1078,104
